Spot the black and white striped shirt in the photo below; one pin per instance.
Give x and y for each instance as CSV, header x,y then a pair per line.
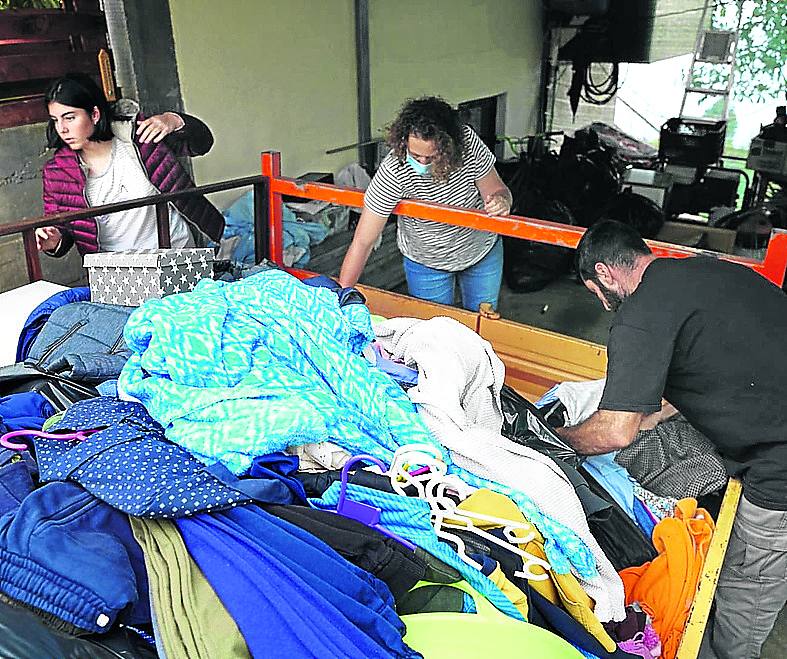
x,y
433,244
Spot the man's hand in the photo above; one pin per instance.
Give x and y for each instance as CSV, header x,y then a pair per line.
x,y
48,239
649,422
497,204
157,127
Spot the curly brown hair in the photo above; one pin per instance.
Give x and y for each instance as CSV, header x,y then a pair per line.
x,y
429,118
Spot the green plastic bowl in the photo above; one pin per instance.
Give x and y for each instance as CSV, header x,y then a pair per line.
x,y
487,633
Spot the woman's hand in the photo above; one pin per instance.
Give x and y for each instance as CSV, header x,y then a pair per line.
x,y
157,127
496,195
48,239
497,204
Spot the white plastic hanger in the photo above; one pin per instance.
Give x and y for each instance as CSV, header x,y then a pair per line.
x,y
433,485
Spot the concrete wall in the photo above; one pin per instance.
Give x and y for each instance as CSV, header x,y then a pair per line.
x,y
281,74
22,155
278,74
458,49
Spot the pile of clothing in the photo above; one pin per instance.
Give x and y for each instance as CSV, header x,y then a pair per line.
x,y
255,468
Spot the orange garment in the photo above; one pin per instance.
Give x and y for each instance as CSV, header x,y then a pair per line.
x,y
665,586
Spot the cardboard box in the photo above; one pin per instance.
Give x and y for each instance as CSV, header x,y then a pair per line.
x,y
129,278
698,235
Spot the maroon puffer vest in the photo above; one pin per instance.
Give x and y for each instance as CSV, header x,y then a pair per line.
x,y
64,190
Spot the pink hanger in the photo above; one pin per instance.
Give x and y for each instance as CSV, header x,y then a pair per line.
x,y
81,435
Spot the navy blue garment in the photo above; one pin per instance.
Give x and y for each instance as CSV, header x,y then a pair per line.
x,y
290,594
131,466
73,559
541,611
38,316
643,518
545,614
346,296
282,467
17,469
24,411
387,559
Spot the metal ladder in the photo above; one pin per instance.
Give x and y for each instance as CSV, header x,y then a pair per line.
x,y
717,48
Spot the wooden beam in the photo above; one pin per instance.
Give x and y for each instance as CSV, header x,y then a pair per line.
x,y
18,68
46,24
20,113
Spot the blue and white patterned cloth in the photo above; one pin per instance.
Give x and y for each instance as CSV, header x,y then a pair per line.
x,y
409,518
236,370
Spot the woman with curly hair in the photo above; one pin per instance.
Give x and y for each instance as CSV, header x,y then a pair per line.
x,y
435,158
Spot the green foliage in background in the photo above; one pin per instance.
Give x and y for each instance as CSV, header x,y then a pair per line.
x,y
29,4
761,66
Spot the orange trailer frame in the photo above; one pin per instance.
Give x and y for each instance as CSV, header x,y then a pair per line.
x,y
773,266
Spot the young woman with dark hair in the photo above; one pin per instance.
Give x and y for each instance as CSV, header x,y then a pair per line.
x,y
110,153
435,158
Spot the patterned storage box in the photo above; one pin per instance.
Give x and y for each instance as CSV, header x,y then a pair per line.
x,y
129,278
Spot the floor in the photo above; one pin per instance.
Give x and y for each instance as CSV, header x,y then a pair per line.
x,y
564,306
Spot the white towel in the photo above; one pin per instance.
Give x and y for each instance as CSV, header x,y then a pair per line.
x,y
580,398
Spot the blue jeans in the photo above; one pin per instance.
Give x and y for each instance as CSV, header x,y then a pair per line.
x,y
478,283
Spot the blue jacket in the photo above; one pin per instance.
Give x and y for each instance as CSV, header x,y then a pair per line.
x,y
38,316
82,341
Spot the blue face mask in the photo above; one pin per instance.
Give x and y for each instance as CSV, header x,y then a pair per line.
x,y
418,168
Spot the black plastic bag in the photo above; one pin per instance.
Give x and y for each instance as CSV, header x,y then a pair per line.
x,y
524,424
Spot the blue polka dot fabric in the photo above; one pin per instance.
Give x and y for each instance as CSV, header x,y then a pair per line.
x,y
131,466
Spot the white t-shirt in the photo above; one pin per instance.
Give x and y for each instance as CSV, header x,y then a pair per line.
x,y
433,244
124,180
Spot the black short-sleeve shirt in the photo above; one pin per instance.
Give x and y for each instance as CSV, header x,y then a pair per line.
x,y
710,336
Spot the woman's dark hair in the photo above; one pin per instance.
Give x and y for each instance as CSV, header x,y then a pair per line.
x,y
429,118
609,242
79,90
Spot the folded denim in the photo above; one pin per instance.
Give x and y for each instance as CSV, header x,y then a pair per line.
x,y
74,559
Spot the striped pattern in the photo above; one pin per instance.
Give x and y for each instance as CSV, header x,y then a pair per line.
x,y
431,243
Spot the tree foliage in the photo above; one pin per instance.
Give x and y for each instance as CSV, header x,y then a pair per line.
x,y
761,55
30,4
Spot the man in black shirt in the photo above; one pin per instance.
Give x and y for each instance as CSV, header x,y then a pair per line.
x,y
709,336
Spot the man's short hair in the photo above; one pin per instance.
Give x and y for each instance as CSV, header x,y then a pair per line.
x,y
609,242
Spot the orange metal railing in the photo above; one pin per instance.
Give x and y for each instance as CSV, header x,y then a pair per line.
x,y
773,266
271,185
